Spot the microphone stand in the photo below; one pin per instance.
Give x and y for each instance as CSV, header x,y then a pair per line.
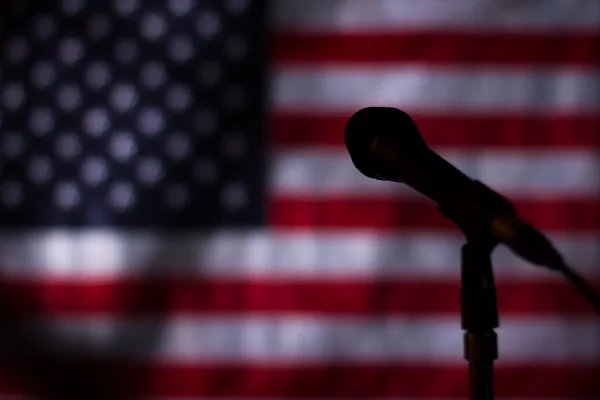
x,y
478,305
479,315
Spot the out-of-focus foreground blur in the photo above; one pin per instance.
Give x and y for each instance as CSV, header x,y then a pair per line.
x,y
179,217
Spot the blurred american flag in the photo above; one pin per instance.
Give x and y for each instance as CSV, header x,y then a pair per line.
x,y
180,218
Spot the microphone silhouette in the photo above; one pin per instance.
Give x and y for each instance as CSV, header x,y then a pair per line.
x,y
385,144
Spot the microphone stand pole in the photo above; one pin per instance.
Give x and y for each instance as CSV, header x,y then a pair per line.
x,y
478,306
479,314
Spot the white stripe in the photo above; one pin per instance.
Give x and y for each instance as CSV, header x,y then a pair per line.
x,y
349,254
314,339
386,15
437,89
322,173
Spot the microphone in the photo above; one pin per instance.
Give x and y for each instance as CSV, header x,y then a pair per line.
x,y
385,144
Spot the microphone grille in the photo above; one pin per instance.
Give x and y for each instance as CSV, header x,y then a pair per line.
x,y
366,124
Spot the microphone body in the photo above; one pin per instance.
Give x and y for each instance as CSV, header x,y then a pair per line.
x,y
385,144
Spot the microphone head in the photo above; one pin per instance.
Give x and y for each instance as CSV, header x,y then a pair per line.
x,y
367,124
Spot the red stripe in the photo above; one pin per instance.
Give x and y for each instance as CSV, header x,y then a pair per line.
x,y
341,297
418,213
528,49
288,129
120,381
